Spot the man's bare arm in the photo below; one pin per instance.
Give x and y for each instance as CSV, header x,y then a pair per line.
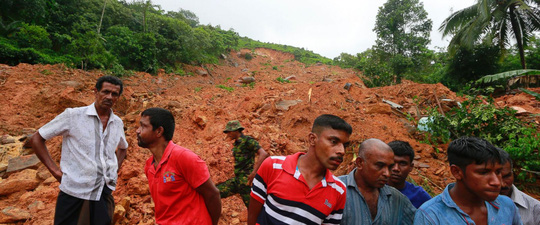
x,y
262,155
212,199
38,144
120,156
254,210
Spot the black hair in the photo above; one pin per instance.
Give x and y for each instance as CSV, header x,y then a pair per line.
x,y
402,148
332,121
160,117
109,79
466,150
505,157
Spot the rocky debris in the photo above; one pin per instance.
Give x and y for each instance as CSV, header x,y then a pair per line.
x,y
6,139
202,72
21,181
284,105
22,162
174,104
379,108
12,214
347,86
247,80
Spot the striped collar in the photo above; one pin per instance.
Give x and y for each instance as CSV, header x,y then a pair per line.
x,y
290,165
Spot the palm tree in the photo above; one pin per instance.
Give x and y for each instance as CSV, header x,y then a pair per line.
x,y
494,21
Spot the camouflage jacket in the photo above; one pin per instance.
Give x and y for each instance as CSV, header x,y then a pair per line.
x,y
244,151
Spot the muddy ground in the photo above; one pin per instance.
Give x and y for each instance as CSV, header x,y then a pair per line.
x,y
276,112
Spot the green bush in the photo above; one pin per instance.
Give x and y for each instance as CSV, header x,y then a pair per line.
x,y
32,36
229,89
479,117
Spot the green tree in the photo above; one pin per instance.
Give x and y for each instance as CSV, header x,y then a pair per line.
x,y
471,64
402,29
495,21
32,36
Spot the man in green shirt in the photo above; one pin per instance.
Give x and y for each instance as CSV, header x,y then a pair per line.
x,y
244,151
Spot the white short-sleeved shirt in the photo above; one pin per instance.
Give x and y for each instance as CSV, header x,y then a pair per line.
x,y
88,159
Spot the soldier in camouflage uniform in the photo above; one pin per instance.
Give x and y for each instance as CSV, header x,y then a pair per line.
x,y
245,168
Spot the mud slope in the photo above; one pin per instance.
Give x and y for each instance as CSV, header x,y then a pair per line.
x,y
278,114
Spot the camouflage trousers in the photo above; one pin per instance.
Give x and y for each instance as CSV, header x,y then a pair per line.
x,y
235,185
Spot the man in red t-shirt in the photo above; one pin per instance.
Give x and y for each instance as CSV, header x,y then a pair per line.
x,y
300,189
179,180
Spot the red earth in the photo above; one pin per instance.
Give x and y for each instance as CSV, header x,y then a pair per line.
x,y
277,113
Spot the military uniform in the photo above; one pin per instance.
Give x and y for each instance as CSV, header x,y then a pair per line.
x,y
244,150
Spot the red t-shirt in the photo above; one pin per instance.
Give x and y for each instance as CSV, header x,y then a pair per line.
x,y
173,184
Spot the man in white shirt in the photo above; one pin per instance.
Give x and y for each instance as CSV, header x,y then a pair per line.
x,y
89,161
529,208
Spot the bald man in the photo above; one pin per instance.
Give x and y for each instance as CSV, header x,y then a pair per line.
x,y
369,199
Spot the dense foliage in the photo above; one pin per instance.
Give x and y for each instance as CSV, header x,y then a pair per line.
x,y
116,35
479,117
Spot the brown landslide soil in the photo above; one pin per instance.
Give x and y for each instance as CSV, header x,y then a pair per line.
x,y
278,114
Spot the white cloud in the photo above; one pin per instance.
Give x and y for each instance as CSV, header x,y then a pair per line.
x,y
325,27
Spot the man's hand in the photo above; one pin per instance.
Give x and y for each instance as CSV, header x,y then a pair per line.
x,y
250,178
57,175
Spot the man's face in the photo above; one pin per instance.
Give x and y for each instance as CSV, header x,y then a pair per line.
x,y
375,168
400,170
145,132
330,147
483,180
107,96
507,179
233,135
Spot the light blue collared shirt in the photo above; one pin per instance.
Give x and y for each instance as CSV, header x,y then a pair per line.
x,y
443,210
392,207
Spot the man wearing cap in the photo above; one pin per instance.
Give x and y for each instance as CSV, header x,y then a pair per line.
x,y
245,168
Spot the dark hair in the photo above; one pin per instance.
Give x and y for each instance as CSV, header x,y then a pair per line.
x,y
466,150
402,148
505,157
109,79
160,117
327,120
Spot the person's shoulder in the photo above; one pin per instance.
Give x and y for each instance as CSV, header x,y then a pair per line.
x,y
433,205
116,118
179,151
533,202
504,201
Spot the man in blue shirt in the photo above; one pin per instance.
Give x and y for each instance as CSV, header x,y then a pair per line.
x,y
369,199
474,197
403,165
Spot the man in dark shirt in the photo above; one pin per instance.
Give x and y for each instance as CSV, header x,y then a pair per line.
x,y
245,168
403,165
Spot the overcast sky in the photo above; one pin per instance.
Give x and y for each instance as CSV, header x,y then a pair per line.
x,y
326,27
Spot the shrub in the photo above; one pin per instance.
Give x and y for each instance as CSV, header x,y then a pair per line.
x,y
248,56
32,36
479,117
229,89
281,80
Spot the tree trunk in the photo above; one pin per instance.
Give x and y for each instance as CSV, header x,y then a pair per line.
x,y
517,33
101,19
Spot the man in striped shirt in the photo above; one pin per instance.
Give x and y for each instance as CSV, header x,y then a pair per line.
x,y
300,189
